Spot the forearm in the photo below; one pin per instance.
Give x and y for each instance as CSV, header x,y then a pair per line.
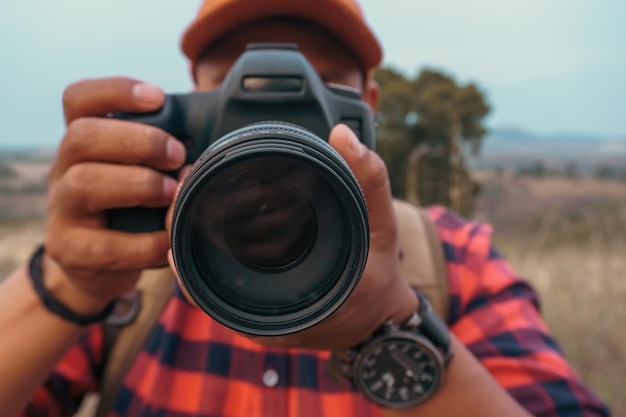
x,y
468,390
32,341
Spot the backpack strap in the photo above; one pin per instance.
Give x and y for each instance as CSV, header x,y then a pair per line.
x,y
154,290
423,262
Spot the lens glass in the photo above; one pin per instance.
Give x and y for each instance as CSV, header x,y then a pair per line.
x,y
270,225
269,233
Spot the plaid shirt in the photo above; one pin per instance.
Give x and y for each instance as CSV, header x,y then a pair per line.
x,y
191,366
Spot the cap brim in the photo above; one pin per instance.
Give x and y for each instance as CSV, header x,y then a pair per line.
x,y
332,15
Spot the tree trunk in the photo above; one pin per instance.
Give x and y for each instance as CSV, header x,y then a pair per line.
x,y
412,177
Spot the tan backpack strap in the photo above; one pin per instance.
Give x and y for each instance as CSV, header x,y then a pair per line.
x,y
155,288
423,262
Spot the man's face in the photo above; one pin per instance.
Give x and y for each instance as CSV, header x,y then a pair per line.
x,y
332,60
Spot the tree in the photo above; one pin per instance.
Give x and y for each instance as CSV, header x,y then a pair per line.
x,y
6,170
426,127
606,172
537,169
571,170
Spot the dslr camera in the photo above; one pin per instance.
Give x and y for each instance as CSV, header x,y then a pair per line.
x,y
270,231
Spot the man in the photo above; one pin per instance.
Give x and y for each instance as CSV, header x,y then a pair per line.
x,y
504,361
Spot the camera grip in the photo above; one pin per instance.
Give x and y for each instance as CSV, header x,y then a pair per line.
x,y
144,219
137,219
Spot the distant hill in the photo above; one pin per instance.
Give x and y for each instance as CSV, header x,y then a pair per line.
x,y
26,155
507,147
513,147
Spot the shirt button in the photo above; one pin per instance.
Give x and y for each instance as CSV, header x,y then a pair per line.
x,y
270,378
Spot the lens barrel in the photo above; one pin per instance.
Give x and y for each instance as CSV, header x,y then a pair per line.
x,y
270,232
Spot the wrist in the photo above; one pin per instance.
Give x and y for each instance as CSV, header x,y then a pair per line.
x,y
59,285
405,305
399,303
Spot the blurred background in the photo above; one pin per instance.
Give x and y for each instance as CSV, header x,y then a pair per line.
x,y
510,112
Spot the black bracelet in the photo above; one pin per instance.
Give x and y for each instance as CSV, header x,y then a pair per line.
x,y
52,304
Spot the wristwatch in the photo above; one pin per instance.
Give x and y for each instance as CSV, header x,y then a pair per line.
x,y
400,366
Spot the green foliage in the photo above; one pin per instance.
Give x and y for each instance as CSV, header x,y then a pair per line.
x,y
571,170
6,171
537,169
610,172
438,101
606,172
430,118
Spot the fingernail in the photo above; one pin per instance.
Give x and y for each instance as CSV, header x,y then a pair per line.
x,y
355,144
148,94
175,151
169,187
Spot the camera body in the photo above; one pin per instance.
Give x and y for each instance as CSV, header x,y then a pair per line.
x,y
270,82
270,231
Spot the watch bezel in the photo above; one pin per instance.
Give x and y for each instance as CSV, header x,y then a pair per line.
x,y
425,346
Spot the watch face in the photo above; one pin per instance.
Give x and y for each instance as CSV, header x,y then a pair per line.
x,y
399,372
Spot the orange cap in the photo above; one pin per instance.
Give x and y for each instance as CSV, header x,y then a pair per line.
x,y
343,18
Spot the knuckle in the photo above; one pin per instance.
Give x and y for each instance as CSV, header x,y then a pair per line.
x,y
377,175
75,183
101,252
53,171
52,198
71,93
148,186
78,131
60,246
150,143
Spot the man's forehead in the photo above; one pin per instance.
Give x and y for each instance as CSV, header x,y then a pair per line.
x,y
216,71
331,58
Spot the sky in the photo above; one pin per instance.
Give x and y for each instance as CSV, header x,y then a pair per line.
x,y
546,66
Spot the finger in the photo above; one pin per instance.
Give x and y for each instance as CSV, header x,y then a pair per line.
x,y
117,141
371,173
106,250
93,187
170,212
97,97
182,286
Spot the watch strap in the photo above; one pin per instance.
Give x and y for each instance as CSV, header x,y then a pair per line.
x,y
427,322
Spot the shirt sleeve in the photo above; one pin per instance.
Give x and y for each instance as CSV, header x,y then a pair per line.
x,y
496,315
75,375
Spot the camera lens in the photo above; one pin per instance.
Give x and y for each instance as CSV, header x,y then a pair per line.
x,y
270,230
271,224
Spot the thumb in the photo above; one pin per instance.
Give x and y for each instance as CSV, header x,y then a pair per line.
x,y
371,174
182,174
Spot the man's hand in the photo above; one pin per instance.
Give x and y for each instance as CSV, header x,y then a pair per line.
x,y
382,293
104,163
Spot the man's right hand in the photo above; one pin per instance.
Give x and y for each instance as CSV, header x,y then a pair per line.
x,y
104,163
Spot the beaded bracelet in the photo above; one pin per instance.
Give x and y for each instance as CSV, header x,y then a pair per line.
x,y
55,306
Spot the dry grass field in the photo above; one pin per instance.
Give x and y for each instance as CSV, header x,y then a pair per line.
x,y
17,241
568,237
22,207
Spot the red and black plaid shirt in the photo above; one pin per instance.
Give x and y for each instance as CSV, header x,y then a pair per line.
x,y
193,367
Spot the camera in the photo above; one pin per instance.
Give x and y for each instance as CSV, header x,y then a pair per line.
x,y
270,231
